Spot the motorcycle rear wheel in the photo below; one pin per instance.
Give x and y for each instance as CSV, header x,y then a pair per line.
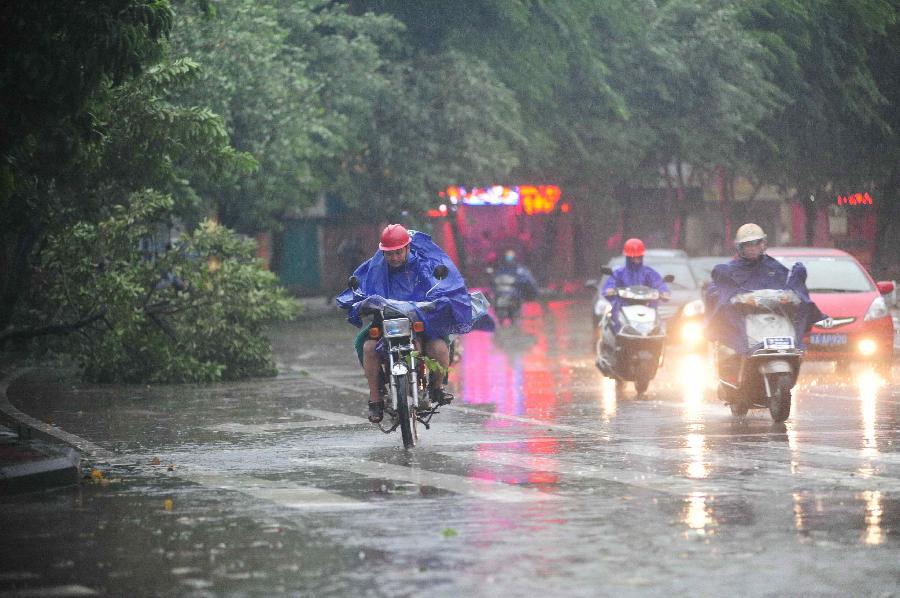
x,y
780,401
407,416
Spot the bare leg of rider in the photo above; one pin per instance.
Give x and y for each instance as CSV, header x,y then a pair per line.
x,y
372,369
438,350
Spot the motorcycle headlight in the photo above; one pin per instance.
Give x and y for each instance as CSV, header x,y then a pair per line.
x,y
397,327
877,310
693,309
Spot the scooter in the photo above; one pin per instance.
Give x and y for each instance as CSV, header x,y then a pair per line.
x,y
506,297
762,375
634,352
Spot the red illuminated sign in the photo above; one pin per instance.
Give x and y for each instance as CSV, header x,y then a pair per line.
x,y
857,199
531,199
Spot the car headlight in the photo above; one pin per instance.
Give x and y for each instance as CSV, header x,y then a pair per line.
x,y
693,309
877,310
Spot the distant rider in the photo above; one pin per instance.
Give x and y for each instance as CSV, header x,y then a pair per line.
x,y
403,269
526,285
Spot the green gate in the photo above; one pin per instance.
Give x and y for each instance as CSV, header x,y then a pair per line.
x,y
300,268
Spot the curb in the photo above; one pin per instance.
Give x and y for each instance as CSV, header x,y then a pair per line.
x,y
32,459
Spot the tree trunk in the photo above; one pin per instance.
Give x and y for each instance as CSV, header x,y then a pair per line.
x,y
811,209
16,272
886,208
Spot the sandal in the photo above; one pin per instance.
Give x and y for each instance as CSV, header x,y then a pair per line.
x,y
376,411
440,397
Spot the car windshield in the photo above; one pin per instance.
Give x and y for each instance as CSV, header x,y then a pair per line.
x,y
684,278
703,266
831,274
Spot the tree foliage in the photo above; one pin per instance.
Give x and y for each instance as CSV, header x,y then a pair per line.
x,y
192,313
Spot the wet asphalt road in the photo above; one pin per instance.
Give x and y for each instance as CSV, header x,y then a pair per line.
x,y
539,480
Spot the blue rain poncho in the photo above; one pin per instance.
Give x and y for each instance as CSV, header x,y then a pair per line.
x,y
448,309
631,275
526,286
725,323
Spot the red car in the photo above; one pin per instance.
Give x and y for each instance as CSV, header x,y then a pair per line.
x,y
860,328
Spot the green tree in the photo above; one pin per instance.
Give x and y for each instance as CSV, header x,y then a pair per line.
x,y
57,59
288,78
193,313
819,56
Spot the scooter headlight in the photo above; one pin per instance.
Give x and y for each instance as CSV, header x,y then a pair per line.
x,y
877,310
397,327
692,333
693,309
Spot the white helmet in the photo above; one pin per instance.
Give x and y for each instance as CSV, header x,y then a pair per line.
x,y
749,232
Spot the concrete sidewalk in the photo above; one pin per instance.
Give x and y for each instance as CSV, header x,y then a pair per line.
x,y
33,456
29,464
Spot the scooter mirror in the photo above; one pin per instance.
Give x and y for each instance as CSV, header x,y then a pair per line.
x,y
441,272
353,283
669,278
606,271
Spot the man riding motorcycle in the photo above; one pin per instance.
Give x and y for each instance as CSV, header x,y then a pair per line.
x,y
751,270
633,273
403,269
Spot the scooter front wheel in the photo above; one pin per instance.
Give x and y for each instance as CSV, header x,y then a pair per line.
x,y
780,401
738,408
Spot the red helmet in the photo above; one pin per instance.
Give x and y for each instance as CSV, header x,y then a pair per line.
x,y
394,236
633,248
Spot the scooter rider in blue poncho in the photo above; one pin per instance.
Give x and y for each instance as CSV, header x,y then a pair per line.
x,y
633,273
526,285
403,269
752,270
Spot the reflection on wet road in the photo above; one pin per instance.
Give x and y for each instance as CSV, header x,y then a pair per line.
x,y
541,477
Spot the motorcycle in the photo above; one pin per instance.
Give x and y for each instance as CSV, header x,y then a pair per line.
x,y
405,371
507,299
763,375
634,352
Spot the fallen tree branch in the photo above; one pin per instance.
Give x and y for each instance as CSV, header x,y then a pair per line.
x,y
60,329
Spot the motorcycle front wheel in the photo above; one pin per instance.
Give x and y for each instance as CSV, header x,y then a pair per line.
x,y
642,378
407,416
780,401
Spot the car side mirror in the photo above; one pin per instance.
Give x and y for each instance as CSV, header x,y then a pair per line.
x,y
885,286
353,283
669,278
441,272
606,270
591,284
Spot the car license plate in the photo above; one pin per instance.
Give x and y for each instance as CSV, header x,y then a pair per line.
x,y
778,342
828,340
